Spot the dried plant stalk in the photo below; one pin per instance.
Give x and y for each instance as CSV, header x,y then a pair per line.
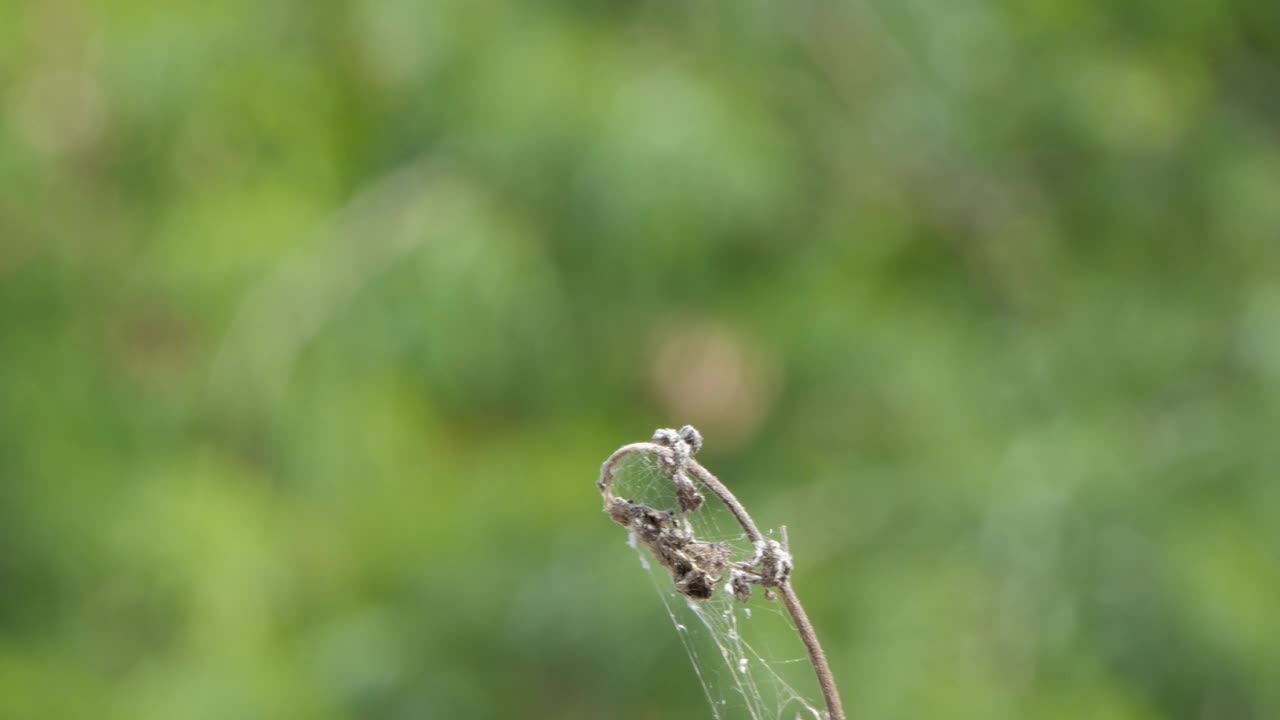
x,y
697,568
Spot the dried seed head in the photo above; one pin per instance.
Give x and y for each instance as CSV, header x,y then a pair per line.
x,y
690,435
683,444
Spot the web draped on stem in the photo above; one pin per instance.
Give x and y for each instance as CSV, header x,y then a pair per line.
x,y
719,577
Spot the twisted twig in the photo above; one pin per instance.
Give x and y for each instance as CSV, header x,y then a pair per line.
x,y
696,566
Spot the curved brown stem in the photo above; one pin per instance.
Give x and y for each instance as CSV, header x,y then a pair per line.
x,y
817,657
728,498
804,627
605,483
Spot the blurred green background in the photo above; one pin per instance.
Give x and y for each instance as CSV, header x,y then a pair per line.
x,y
317,319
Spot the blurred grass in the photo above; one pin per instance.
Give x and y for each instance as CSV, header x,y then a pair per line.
x,y
316,320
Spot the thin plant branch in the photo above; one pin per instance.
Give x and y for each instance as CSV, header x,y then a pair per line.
x,y
698,567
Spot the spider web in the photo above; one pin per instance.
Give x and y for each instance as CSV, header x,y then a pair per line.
x,y
747,656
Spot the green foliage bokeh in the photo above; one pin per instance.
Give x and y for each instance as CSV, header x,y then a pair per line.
x,y
317,319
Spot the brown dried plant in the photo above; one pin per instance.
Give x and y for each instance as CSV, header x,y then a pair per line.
x,y
697,567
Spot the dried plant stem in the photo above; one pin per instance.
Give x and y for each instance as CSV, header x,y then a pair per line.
x,y
678,460
816,657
